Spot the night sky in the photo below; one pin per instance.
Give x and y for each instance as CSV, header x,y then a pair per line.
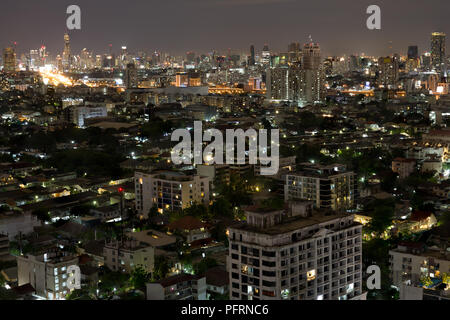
x,y
177,26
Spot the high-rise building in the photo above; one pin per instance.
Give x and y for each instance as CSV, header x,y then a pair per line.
x,y
295,254
426,61
294,52
438,51
413,52
413,61
329,187
388,71
265,55
9,60
251,61
67,55
190,57
131,76
284,83
312,73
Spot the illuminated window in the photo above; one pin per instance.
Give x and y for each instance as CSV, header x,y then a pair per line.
x,y
311,275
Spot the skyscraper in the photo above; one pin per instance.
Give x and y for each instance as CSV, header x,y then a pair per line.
x,y
294,52
413,62
131,76
67,56
251,61
438,51
9,60
413,52
265,55
388,71
312,70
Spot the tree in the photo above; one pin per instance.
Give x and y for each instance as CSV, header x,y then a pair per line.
x,y
42,215
381,219
139,277
161,268
201,267
221,207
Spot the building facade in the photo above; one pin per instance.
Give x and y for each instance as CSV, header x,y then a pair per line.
x,y
297,256
169,191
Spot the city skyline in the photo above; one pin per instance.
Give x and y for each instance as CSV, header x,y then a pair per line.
x,y
340,28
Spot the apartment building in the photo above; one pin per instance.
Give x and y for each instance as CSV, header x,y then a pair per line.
x,y
403,167
79,114
169,191
47,272
295,254
178,287
4,247
125,255
329,187
411,263
217,173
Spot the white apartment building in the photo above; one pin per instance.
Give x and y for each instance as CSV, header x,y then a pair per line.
x,y
295,255
78,114
170,191
410,262
47,272
329,187
124,256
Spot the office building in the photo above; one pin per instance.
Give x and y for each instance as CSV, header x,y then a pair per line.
x,y
252,60
438,51
265,56
131,76
9,60
388,71
313,90
67,54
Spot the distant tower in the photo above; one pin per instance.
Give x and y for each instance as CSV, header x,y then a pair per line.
x,y
67,56
9,60
312,73
413,52
131,76
251,61
265,55
294,52
438,51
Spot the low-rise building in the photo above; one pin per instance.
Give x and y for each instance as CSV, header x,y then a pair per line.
x,y
47,272
125,255
403,167
420,272
179,287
